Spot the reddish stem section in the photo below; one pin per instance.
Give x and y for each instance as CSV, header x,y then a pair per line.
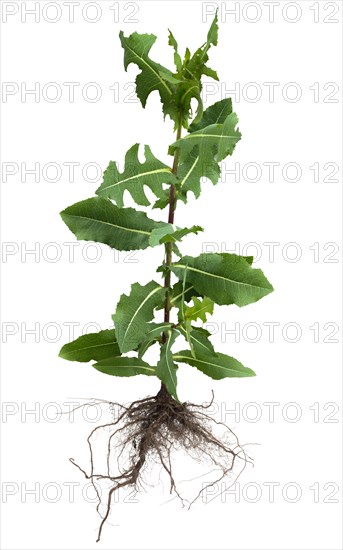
x,y
169,246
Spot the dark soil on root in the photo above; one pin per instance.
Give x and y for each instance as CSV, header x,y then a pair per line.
x,y
152,430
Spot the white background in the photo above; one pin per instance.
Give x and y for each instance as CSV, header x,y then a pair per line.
x,y
41,293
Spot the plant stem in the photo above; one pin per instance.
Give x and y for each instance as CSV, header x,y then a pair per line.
x,y
163,393
169,246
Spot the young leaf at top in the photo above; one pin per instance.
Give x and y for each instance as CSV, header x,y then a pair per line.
x,y
177,59
134,312
152,172
95,346
190,73
177,89
196,65
153,76
225,278
217,367
97,219
166,368
124,366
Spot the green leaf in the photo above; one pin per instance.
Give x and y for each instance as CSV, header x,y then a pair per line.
x,y
177,59
193,68
154,332
200,343
202,150
134,312
176,90
161,231
179,233
199,310
124,366
97,219
217,367
196,65
214,114
225,278
152,173
162,203
89,347
215,141
179,293
212,35
249,259
169,233
153,76
166,368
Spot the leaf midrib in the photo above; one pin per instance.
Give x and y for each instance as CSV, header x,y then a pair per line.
x,y
168,346
218,136
132,230
90,347
176,357
150,67
158,171
127,366
192,337
219,276
138,309
189,171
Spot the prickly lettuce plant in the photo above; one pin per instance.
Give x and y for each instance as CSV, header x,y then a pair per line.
x,y
155,427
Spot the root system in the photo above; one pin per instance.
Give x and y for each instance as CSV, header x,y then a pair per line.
x,y
153,431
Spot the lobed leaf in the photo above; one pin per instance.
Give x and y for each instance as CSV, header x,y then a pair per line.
x,y
176,90
205,146
153,76
177,59
199,310
152,172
